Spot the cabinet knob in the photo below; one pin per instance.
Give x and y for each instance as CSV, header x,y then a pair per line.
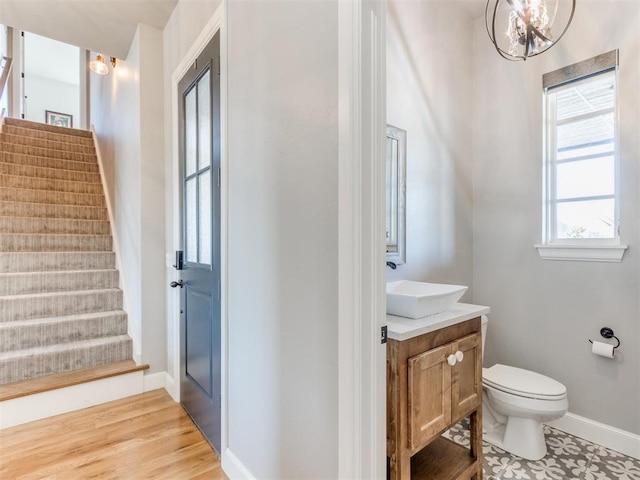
x,y
459,356
451,359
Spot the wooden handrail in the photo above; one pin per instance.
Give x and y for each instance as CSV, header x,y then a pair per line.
x,y
6,70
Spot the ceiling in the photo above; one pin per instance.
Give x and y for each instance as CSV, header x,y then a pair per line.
x,y
105,26
108,26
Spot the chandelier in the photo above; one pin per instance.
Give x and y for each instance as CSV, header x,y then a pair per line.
x,y
530,26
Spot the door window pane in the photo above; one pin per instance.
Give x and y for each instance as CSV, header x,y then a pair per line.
x,y
204,120
190,132
191,212
587,219
205,217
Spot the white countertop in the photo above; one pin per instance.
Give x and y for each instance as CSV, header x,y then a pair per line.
x,y
401,328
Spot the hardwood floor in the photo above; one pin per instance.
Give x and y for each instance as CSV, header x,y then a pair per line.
x,y
148,436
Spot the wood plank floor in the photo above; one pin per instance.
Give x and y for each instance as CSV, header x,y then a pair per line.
x,y
148,436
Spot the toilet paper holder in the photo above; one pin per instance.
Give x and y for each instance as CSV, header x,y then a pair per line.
x,y
607,332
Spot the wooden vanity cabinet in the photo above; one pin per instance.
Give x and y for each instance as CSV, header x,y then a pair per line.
x,y
427,393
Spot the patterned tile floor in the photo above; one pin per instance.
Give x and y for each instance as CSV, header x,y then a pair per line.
x,y
568,458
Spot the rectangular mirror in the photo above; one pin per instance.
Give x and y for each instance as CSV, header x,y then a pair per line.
x,y
396,194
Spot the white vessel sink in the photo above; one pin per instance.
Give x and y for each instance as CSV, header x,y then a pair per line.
x,y
417,299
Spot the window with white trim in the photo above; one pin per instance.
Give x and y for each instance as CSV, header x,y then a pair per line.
x,y
581,167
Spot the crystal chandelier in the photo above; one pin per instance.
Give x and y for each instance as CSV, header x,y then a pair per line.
x,y
529,25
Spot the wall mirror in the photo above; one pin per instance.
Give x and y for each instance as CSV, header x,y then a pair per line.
x,y
396,194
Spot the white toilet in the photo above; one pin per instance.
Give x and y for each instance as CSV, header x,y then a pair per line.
x,y
515,404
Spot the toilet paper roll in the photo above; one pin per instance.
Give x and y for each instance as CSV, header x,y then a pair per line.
x,y
603,349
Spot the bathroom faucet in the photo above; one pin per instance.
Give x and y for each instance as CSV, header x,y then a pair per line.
x,y
392,265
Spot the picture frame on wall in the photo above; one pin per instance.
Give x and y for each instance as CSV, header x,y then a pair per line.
x,y
59,119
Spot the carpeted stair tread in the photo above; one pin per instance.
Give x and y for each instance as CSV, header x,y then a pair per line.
x,y
30,171
50,196
36,362
47,135
45,152
54,304
18,122
32,141
48,162
20,283
40,332
52,348
56,261
54,225
48,210
49,184
60,305
53,242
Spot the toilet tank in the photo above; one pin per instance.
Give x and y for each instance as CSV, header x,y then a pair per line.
x,y
485,322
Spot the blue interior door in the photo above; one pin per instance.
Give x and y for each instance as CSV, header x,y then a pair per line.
x,y
200,385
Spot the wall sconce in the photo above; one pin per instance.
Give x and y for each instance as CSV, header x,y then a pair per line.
x,y
99,66
527,25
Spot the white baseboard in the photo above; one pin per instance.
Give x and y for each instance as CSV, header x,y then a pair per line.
x,y
233,468
605,435
64,400
154,381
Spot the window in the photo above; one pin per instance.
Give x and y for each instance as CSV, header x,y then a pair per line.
x,y
581,170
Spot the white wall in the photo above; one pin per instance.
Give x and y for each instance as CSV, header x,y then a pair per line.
x,y
51,78
543,312
429,95
283,232
282,237
127,113
49,94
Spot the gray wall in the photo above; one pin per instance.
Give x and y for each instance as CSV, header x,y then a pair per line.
x,y
429,95
543,312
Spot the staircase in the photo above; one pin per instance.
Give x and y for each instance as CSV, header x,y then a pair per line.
x,y
60,305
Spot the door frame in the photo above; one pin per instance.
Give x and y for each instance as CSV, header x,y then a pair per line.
x,y
362,274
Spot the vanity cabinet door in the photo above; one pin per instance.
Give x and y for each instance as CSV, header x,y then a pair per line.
x,y
429,395
466,378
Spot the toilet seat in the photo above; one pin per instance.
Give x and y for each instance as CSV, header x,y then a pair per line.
x,y
523,383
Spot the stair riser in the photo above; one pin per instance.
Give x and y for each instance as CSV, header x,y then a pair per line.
x,y
17,122
43,282
43,152
45,135
40,335
43,210
48,144
15,370
54,243
50,173
68,303
47,162
12,181
53,225
56,261
47,196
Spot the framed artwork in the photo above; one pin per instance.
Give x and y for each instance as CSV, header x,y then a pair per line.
x,y
59,119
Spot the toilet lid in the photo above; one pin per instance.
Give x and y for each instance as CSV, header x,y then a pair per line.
x,y
523,383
